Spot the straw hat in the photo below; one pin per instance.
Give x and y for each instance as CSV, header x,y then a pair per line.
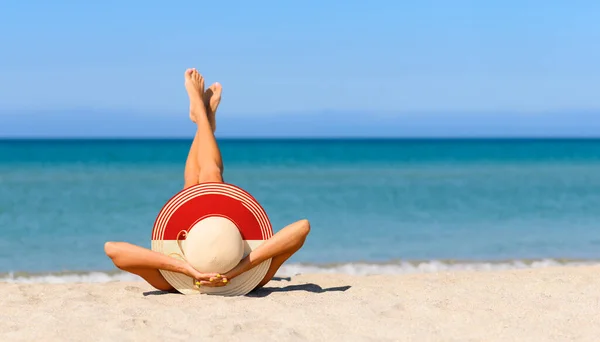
x,y
212,226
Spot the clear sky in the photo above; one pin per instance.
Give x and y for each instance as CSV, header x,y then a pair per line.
x,y
334,59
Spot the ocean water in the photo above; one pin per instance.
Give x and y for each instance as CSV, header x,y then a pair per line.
x,y
375,206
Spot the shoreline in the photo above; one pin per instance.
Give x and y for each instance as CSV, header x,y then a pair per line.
x,y
541,304
393,267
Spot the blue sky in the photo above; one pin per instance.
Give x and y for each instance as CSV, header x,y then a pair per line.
x,y
423,67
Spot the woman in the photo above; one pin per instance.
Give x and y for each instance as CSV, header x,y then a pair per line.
x,y
204,164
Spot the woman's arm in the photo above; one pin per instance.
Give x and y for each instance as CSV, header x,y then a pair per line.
x,y
283,244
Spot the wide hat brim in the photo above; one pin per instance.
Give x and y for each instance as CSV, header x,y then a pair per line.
x,y
198,202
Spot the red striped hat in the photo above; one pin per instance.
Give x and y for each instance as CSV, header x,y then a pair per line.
x,y
212,226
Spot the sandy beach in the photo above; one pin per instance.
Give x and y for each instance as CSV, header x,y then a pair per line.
x,y
548,304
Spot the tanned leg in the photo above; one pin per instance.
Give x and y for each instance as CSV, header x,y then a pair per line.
x,y
208,154
211,99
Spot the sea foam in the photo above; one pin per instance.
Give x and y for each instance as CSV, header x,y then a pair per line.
x,y
360,269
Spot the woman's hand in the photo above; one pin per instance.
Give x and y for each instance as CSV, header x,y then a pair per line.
x,y
210,280
206,279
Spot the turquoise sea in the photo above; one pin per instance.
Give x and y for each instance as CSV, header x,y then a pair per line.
x,y
376,206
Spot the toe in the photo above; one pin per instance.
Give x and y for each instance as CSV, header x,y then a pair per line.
x,y
188,72
217,88
201,81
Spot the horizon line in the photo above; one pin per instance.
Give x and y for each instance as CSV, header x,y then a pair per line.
x,y
241,138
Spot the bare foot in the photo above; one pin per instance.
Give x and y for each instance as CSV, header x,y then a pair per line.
x,y
194,84
212,98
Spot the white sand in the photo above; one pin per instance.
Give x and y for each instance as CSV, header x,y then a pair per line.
x,y
553,304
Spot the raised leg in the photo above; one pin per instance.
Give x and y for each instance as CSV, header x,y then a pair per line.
x,y
208,154
211,99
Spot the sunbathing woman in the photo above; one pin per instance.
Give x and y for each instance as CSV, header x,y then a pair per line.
x,y
204,164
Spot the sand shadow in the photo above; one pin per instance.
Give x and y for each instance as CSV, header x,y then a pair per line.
x,y
313,288
159,293
281,279
266,291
